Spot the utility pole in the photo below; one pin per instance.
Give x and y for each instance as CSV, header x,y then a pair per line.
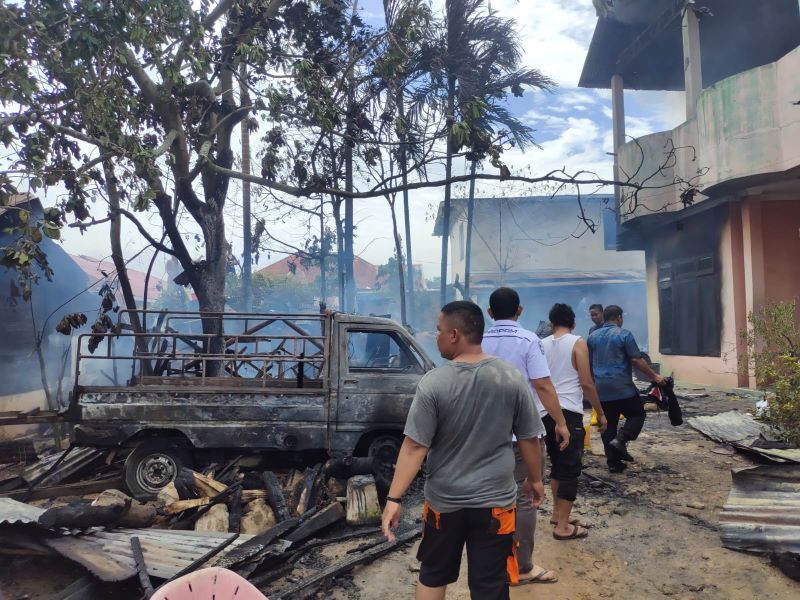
x,y
247,231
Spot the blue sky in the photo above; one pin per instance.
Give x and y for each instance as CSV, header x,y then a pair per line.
x,y
573,127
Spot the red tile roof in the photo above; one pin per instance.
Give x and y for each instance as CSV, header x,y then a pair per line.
x,y
365,273
94,269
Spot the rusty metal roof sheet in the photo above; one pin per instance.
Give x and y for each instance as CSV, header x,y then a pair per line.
x,y
762,513
108,555
742,431
77,459
13,512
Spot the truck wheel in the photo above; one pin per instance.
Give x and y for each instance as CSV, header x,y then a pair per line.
x,y
386,448
153,465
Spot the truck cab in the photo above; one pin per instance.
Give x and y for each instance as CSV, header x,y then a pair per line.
x,y
333,382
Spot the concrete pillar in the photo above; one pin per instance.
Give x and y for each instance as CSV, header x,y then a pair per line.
x,y
618,126
692,63
739,289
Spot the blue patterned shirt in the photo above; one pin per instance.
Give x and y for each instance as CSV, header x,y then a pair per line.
x,y
611,349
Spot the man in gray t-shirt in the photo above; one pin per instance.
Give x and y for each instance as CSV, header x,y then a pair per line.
x,y
462,419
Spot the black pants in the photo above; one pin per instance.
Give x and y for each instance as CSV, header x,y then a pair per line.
x,y
566,463
633,409
488,534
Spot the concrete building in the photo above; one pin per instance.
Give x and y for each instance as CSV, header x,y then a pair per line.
x,y
540,246
724,241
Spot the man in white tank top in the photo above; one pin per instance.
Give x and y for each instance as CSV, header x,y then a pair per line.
x,y
568,359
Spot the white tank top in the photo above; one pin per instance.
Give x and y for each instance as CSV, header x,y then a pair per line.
x,y
558,352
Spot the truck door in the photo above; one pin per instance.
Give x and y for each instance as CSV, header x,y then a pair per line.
x,y
378,374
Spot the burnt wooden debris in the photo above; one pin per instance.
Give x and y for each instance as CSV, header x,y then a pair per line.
x,y
275,496
141,568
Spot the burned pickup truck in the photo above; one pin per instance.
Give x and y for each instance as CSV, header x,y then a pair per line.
x,y
334,383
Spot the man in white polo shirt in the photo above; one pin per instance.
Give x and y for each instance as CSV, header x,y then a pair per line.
x,y
523,349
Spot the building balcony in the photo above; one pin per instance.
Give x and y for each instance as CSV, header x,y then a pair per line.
x,y
743,138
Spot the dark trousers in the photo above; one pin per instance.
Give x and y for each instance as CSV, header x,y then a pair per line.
x,y
633,409
566,464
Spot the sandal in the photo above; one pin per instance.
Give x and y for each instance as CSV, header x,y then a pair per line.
x,y
575,535
538,578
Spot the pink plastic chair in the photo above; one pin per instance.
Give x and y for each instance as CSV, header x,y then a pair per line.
x,y
215,582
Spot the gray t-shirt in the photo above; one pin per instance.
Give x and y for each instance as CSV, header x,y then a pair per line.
x,y
465,413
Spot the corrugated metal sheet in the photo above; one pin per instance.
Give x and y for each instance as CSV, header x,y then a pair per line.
x,y
762,513
742,431
77,459
108,555
13,512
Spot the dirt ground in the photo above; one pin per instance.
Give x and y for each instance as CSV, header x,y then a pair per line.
x,y
644,541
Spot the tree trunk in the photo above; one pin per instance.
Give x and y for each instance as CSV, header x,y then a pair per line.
x,y
470,213
323,279
247,230
448,171
411,309
337,217
398,250
349,253
119,262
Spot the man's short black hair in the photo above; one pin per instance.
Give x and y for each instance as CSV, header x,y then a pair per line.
x,y
612,312
562,315
596,307
468,319
504,303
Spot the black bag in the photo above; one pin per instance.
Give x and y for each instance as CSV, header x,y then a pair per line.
x,y
664,397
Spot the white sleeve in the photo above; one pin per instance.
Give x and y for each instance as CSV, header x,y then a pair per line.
x,y
535,361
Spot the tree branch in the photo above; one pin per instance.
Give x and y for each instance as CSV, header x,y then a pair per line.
x,y
151,240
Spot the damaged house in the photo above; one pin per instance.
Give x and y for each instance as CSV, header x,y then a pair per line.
x,y
724,241
539,246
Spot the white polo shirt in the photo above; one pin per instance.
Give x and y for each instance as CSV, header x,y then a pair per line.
x,y
522,348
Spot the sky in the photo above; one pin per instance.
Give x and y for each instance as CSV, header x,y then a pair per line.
x,y
573,128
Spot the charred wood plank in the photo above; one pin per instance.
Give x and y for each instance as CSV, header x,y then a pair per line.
x,y
182,505
303,496
331,514
141,568
235,514
275,496
81,488
255,545
308,586
350,466
84,516
221,497
42,477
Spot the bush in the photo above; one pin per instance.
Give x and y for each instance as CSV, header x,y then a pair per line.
x,y
773,344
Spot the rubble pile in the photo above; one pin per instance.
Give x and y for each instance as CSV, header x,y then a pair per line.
x,y
262,524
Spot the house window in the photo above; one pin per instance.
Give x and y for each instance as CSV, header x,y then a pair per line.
x,y
690,306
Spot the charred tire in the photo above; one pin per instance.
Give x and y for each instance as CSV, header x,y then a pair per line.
x,y
386,448
154,464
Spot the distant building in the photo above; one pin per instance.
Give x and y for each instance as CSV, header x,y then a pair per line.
x,y
540,247
730,248
365,273
98,269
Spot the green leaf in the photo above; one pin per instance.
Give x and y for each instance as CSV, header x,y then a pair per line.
x,y
23,216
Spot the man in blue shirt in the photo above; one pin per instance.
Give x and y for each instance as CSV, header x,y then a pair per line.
x,y
613,353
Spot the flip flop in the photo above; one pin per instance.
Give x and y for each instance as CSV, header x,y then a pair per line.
x,y
538,578
575,535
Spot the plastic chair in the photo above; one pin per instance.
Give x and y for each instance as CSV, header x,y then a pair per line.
x,y
205,584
